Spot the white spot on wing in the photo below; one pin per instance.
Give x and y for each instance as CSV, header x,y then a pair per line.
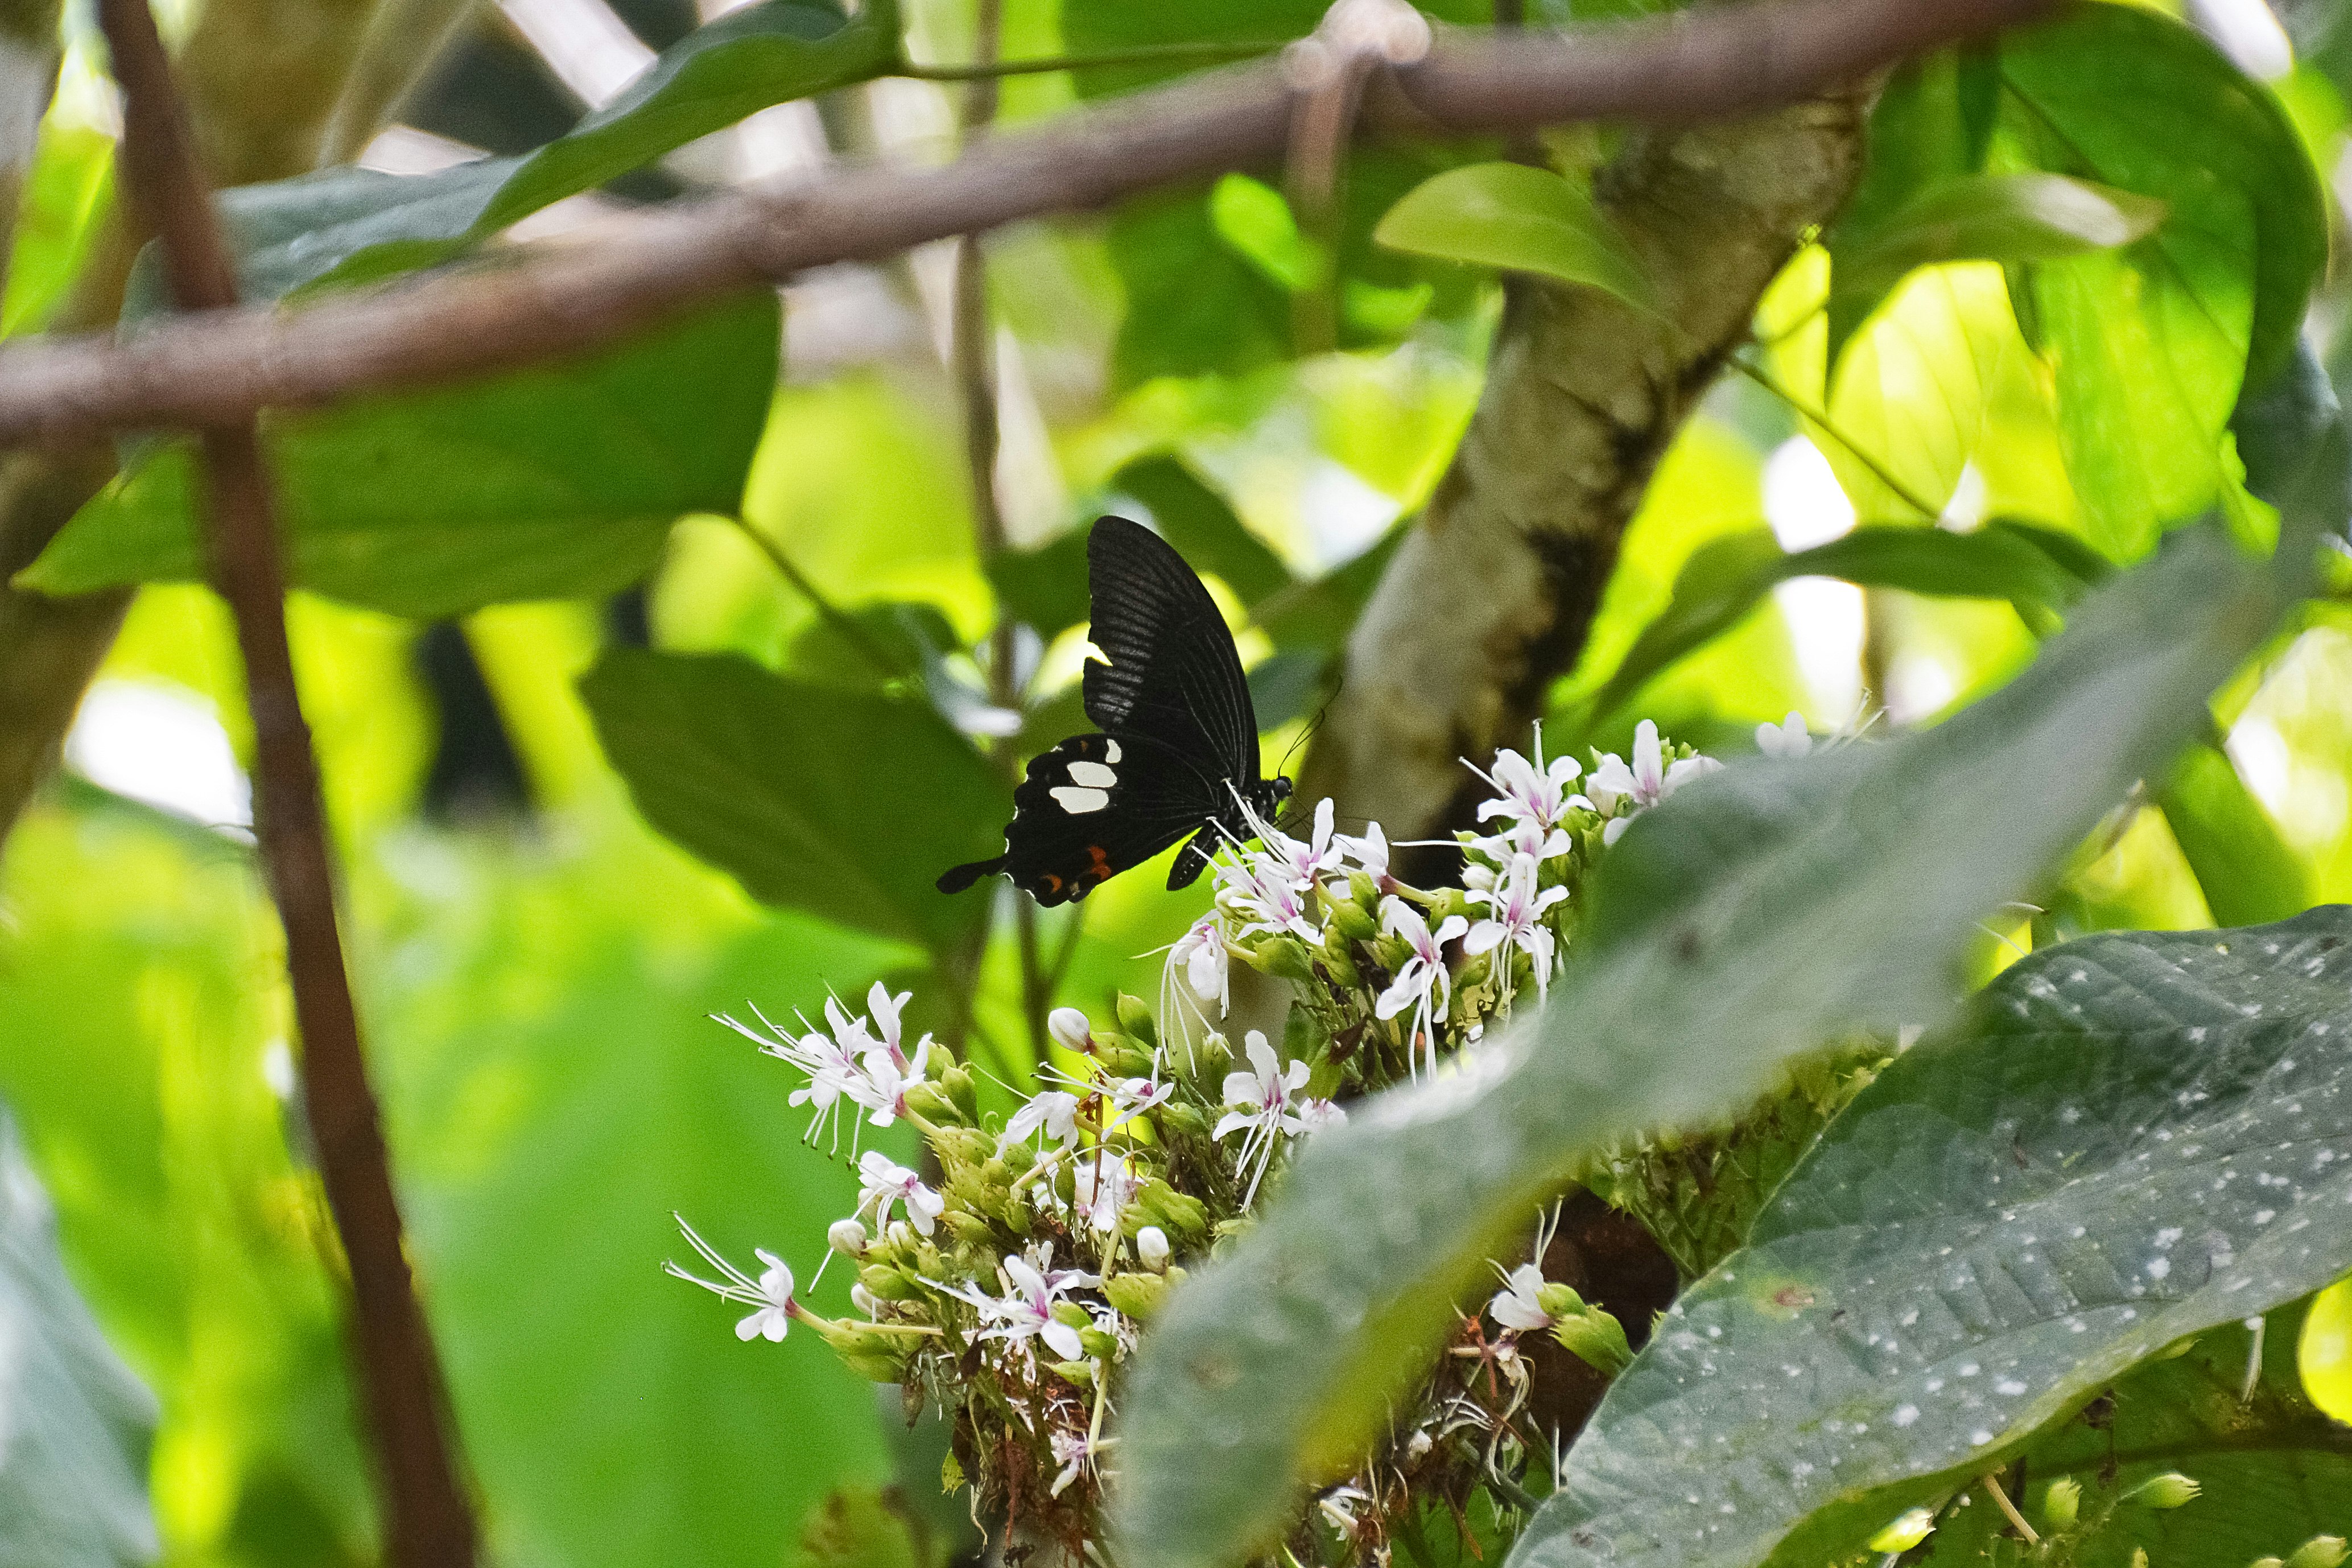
x,y
1079,801
1110,751
1094,775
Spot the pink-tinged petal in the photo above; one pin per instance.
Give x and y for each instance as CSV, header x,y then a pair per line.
x,y
1450,927
1233,1121
1483,937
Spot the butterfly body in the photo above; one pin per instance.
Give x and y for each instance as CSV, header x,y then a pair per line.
x,y
1177,754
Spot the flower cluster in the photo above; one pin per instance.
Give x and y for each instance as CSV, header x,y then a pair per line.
x,y
1006,1282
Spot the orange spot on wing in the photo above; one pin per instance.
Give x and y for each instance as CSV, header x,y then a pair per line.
x,y
1097,862
1053,883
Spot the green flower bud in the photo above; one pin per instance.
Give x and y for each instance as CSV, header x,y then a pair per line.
x,y
1596,1339
1137,1295
1558,1300
1081,1373
2063,1504
957,1082
1100,1345
930,1102
1352,922
1339,965
1018,1216
1284,957
2267,1563
968,1226
1364,891
2171,1489
877,1368
1905,1531
2319,1551
961,1147
1120,1056
1184,1120
1070,1312
1179,1213
889,1283
1136,1019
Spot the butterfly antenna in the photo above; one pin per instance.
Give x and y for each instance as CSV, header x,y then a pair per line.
x,y
1313,725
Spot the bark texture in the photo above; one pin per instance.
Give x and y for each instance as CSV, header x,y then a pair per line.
x,y
1492,594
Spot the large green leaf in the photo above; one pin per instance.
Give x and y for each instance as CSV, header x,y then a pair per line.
x,y
1519,219
2132,1138
1763,910
73,1423
2151,344
552,482
347,225
844,804
2039,571
2275,1471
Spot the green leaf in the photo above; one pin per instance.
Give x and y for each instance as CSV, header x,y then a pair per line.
x,y
2129,1140
1252,217
73,1471
56,221
2152,345
2036,569
2275,1471
2249,873
1520,219
1197,521
1319,613
1277,1364
352,225
2013,218
556,481
1044,588
847,804
866,1527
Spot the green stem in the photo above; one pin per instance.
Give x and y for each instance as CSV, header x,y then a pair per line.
x,y
1149,54
833,614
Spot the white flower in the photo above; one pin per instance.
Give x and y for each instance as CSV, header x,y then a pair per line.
x,y
1522,836
1260,1101
1152,1248
1515,919
1134,1096
1054,1109
1206,961
769,1296
1788,738
831,1063
1370,854
1620,791
1422,982
1025,1310
1103,1185
1314,1113
1339,1507
1069,1029
1534,794
1515,1306
1261,890
1073,1449
1308,860
885,1184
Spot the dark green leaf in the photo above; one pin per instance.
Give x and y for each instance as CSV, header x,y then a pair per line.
x,y
1520,219
1045,588
351,225
1288,686
2131,1138
73,1469
2036,569
1319,613
2248,872
844,804
557,481
1277,1364
2275,1472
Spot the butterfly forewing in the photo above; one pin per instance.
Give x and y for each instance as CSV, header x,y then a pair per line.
x,y
1172,673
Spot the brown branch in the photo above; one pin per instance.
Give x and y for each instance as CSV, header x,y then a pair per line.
x,y
544,300
429,1521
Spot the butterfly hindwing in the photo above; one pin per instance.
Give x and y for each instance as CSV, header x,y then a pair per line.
x,y
1090,808
1173,674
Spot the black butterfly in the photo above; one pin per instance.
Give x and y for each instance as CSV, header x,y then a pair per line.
x,y
1178,752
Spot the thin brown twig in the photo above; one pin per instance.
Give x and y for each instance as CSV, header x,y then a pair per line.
x,y
430,1522
1144,54
1717,63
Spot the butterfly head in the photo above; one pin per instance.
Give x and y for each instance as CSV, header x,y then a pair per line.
x,y
1267,796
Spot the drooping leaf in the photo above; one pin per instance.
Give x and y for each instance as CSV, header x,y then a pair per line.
x,y
2151,344
2039,571
73,1468
2249,873
350,226
2274,1471
2130,1137
844,804
1252,217
1277,1365
552,482
1521,219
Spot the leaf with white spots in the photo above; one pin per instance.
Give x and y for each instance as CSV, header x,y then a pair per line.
x,y
2130,1139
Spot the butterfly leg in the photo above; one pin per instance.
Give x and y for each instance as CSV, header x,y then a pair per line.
x,y
1193,858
